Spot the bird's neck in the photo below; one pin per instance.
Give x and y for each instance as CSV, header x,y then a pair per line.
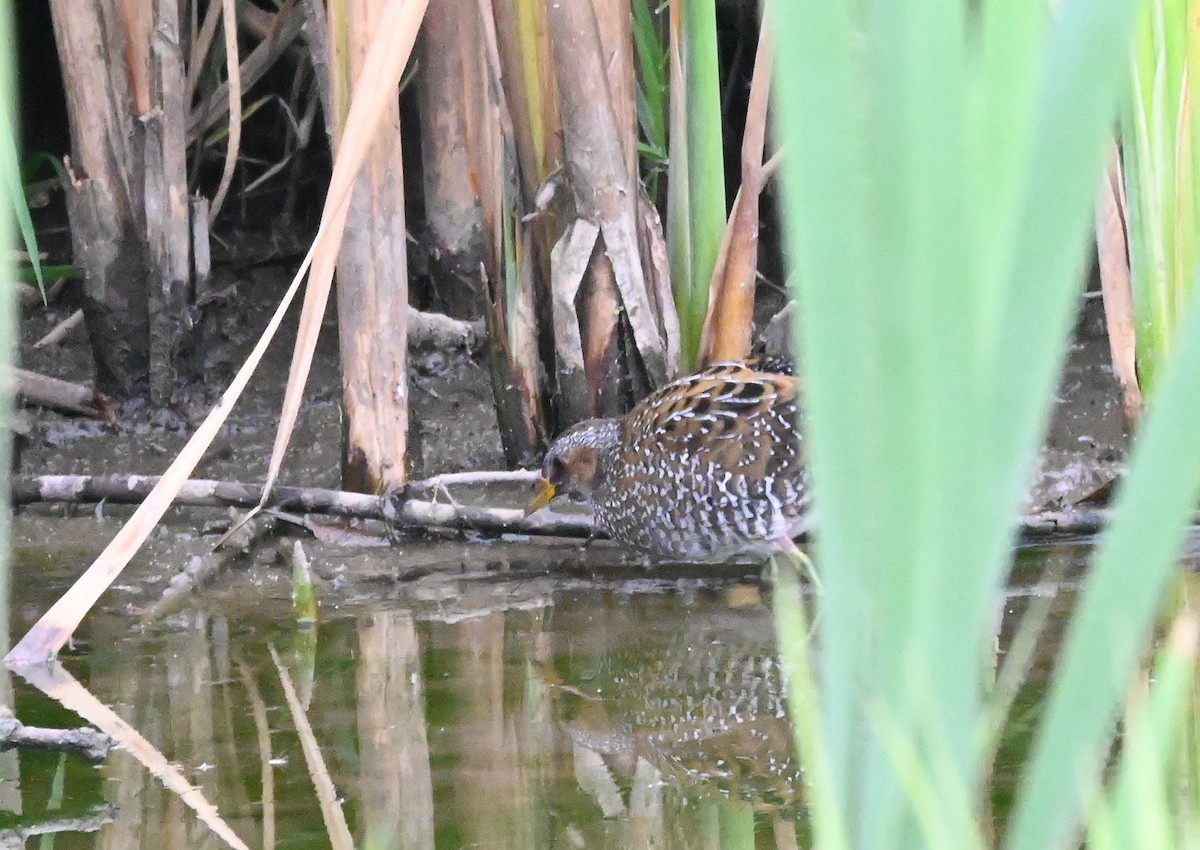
x,y
606,440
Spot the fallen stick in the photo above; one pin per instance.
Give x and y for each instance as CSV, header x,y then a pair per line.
x,y
90,743
132,489
65,396
59,332
404,510
196,492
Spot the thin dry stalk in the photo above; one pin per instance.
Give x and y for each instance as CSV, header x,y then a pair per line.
x,y
166,203
452,90
215,107
730,318
331,809
1112,251
201,45
510,257
234,87
104,203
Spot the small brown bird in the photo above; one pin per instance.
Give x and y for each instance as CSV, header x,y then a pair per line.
x,y
707,468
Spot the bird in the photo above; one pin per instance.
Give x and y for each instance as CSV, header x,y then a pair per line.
x,y
708,468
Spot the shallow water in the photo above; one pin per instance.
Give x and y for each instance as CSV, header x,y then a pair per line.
x,y
628,711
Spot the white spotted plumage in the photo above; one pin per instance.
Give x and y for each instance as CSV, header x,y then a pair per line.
x,y
707,468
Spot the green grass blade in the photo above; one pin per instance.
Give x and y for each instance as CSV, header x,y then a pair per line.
x,y
1118,606
10,172
1140,803
696,173
8,312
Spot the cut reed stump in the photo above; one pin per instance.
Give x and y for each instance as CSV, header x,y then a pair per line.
x,y
372,274
123,81
452,96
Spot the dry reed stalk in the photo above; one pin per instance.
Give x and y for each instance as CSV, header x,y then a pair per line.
x,y
730,318
525,79
1112,252
380,76
452,94
599,299
510,258
202,41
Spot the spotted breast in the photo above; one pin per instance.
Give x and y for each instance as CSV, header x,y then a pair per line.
x,y
707,468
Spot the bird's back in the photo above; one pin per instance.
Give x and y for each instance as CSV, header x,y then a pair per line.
x,y
709,466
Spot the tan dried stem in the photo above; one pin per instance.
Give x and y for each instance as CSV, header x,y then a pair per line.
x,y
201,45
233,142
730,317
1112,253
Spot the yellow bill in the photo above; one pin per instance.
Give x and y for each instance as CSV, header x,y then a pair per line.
x,y
543,492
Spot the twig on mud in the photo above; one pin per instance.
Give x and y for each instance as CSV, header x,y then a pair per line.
x,y
495,520
59,332
90,743
437,483
424,513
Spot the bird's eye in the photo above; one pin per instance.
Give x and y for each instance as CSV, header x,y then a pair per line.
x,y
556,473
